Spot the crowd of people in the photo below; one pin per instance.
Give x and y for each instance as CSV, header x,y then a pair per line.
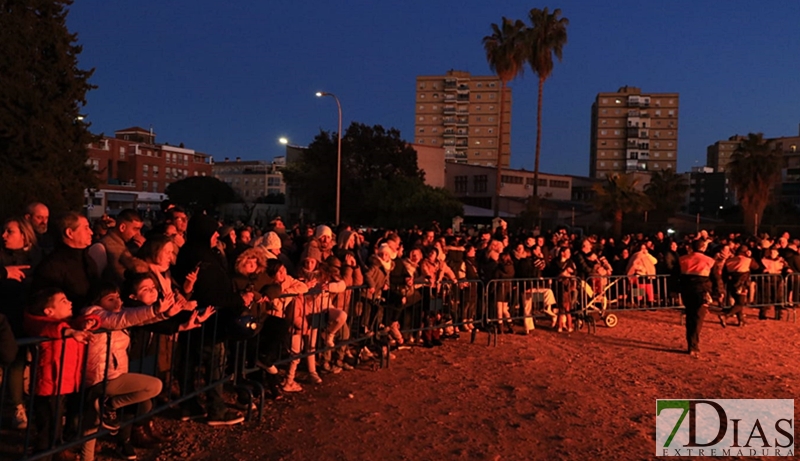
x,y
184,289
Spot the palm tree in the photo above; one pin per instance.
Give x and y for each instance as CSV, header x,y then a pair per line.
x,y
506,59
618,195
755,170
545,38
667,191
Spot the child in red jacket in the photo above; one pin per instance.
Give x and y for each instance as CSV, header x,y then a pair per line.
x,y
60,363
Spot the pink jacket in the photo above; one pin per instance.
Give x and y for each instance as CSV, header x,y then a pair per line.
x,y
116,356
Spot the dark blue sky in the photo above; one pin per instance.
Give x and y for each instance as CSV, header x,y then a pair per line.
x,y
230,79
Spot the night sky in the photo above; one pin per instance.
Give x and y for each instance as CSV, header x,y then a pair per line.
x,y
230,78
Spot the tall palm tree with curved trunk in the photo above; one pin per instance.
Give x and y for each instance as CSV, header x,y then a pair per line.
x,y
544,39
755,170
506,58
619,195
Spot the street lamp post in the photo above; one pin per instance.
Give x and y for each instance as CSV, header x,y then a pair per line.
x,y
338,153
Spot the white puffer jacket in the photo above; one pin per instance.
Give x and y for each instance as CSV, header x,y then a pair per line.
x,y
116,323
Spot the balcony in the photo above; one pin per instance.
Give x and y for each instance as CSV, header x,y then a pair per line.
x,y
461,133
462,143
448,133
450,84
449,97
462,121
449,120
463,97
449,142
449,109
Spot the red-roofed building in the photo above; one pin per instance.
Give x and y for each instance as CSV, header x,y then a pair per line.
x,y
133,170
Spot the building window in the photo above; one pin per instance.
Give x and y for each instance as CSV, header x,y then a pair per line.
x,y
145,169
603,132
477,96
122,153
434,141
491,96
461,184
421,107
422,119
669,154
155,186
561,184
435,95
421,141
602,164
508,179
492,84
144,186
421,86
480,85
155,170
435,130
422,130
479,183
422,96
603,122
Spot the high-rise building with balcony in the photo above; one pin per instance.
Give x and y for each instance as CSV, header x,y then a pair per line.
x,y
633,131
461,113
719,154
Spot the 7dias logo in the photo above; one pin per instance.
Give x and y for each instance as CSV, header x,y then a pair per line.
x,y
742,427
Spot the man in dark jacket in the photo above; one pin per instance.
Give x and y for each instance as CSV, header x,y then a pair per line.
x,y
69,267
213,288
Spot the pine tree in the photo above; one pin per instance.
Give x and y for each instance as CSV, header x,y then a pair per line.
x,y
43,139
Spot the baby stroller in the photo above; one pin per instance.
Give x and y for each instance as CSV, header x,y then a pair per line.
x,y
594,305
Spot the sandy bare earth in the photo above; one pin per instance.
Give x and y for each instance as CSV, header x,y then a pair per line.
x,y
546,396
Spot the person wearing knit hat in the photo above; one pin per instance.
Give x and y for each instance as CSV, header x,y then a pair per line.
x,y
272,243
322,230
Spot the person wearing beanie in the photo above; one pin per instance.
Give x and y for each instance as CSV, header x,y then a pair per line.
x,y
321,246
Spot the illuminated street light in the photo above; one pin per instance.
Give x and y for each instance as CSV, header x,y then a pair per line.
x,y
338,153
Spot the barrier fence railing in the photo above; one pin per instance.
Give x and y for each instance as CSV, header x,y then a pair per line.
x,y
334,327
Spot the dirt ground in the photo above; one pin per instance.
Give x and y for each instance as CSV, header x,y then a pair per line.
x,y
546,396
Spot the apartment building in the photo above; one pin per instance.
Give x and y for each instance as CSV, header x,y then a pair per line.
x,y
461,113
133,170
633,131
251,179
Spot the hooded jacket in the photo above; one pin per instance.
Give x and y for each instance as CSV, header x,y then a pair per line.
x,y
55,376
214,286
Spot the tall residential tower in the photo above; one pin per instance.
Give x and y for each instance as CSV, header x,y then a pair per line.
x,y
633,131
461,113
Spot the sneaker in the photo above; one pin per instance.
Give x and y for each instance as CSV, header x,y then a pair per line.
x,y
109,419
192,410
292,386
344,365
227,418
20,421
126,451
314,377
